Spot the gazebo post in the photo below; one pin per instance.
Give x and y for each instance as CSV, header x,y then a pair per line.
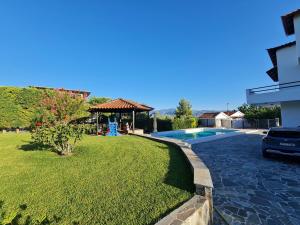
x,y
97,114
154,123
133,121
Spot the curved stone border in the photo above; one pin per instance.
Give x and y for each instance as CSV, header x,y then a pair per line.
x,y
199,209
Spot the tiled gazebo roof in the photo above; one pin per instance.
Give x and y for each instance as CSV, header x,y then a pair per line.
x,y
121,105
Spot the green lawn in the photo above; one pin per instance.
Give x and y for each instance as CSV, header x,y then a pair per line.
x,y
108,180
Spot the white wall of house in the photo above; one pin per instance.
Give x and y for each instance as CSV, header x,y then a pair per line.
x,y
290,112
297,34
288,71
288,66
221,116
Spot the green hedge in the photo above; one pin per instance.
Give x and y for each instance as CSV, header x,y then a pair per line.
x,y
165,124
184,123
17,106
142,121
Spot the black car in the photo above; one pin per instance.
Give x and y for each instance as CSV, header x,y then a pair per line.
x,y
284,141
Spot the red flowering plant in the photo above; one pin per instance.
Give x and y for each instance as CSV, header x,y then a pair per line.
x,y
55,116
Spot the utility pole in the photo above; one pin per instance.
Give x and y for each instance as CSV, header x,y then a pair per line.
x,y
227,104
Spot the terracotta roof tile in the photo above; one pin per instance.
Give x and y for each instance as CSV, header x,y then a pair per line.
x,y
121,104
229,113
63,89
208,115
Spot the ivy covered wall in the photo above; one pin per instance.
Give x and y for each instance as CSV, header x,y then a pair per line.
x,y
17,106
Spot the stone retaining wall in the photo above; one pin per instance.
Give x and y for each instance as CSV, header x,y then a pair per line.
x,y
199,209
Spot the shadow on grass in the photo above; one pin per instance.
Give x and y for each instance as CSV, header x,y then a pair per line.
x,y
32,146
179,173
17,217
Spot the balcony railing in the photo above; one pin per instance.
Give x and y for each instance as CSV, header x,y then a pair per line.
x,y
273,88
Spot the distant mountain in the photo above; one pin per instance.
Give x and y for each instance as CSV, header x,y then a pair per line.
x,y
171,112
165,112
200,112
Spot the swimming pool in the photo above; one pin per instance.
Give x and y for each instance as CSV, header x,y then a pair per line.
x,y
193,135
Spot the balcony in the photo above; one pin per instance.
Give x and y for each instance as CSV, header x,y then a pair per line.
x,y
273,94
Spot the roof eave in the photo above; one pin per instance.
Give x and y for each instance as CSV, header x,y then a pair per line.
x,y
288,22
273,73
272,51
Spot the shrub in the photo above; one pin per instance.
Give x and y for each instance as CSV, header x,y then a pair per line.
x,y
89,128
184,123
258,112
62,137
55,114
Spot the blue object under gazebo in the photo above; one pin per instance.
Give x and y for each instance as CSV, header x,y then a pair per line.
x,y
121,106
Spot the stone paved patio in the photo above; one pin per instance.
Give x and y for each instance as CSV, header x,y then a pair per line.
x,y
250,189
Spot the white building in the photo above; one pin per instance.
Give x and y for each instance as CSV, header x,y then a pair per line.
x,y
285,71
222,119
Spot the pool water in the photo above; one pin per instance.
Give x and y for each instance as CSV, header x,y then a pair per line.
x,y
197,135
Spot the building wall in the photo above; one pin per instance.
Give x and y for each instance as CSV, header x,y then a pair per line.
x,y
290,113
288,67
297,34
220,117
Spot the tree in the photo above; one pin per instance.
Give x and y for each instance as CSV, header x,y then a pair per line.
x,y
184,116
98,100
184,109
53,121
258,112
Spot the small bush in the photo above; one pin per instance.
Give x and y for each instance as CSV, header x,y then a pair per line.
x,y
62,137
184,123
89,128
53,121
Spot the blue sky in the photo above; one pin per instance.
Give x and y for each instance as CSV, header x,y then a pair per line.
x,y
155,52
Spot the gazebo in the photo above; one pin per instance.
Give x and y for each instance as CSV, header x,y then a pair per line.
x,y
121,106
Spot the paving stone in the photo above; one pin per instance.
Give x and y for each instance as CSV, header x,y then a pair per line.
x,y
248,188
253,219
231,209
